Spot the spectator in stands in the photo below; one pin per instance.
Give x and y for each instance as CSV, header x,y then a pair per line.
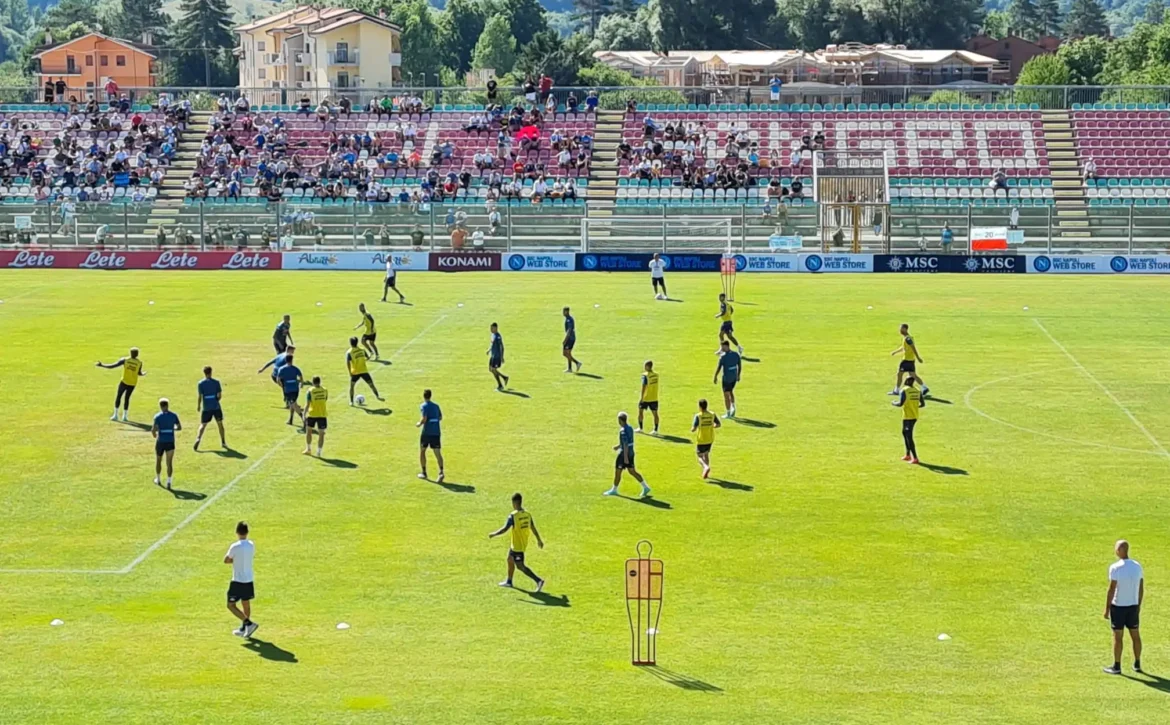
x,y
649,127
550,104
818,141
345,105
111,90
1090,170
774,87
999,181
50,92
242,105
571,103
591,102
529,90
797,189
570,190
631,105
546,84
458,236
60,87
305,106
565,159
492,90
222,104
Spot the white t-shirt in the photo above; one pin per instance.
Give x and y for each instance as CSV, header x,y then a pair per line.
x,y
242,552
657,268
389,266
1128,575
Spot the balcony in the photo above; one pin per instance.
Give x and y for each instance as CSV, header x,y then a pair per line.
x,y
343,57
58,71
303,59
274,59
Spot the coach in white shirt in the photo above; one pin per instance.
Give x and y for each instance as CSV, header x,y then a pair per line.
x,y
240,555
1127,588
658,276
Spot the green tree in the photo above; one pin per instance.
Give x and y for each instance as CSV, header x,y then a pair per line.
x,y
1155,12
460,25
68,12
548,54
1085,59
496,48
924,23
592,11
134,18
1086,17
1043,70
525,18
1025,18
712,24
622,32
206,37
421,54
809,22
997,24
1048,17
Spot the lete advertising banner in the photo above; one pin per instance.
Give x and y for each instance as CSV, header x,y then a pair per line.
x,y
556,262
932,263
836,262
767,263
113,260
464,262
360,261
638,262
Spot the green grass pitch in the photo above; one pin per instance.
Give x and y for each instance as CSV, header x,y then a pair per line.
x,y
811,586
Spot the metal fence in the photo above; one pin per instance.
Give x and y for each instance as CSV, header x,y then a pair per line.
x,y
558,227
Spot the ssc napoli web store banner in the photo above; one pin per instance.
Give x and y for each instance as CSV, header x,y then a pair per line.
x,y
639,262
1140,264
767,263
834,263
361,261
113,260
1069,264
957,263
557,262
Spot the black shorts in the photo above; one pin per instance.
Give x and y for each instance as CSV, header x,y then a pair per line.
x,y
318,423
496,362
370,337
161,447
906,366
279,345
241,592
290,399
569,343
390,281
703,447
648,405
1124,617
208,415
516,556
729,385
726,328
362,376
657,282
433,442
620,463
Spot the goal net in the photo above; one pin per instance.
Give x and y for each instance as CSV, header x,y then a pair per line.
x,y
657,233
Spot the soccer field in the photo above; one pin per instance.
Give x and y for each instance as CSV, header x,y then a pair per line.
x,y
807,581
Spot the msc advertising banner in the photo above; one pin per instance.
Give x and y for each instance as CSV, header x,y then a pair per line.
x,y
363,261
638,262
555,262
963,264
113,260
464,262
836,262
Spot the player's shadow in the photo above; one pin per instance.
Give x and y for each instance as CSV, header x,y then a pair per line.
x,y
517,393
591,376
456,487
187,495
940,401
1161,684
671,299
338,462
270,651
405,303
545,599
745,358
754,423
382,362
648,501
229,453
732,485
138,426
679,680
376,411
945,470
669,438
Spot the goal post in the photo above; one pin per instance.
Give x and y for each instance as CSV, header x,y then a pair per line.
x,y
658,233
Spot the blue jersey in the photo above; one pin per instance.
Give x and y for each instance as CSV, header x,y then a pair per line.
x,y
626,438
730,363
431,415
497,345
289,376
166,423
570,326
281,332
209,390
278,362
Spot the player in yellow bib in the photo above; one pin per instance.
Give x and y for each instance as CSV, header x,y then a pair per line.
x,y
357,361
131,371
911,401
316,416
520,523
649,397
704,426
909,353
370,331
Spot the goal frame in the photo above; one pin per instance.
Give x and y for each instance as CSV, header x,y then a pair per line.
x,y
663,225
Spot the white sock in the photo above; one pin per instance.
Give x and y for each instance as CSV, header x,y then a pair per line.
x,y
170,479
318,451
645,485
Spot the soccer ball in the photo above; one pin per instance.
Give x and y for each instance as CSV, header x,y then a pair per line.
x,y
659,296
360,400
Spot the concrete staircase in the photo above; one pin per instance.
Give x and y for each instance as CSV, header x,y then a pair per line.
x,y
165,210
1068,188
603,167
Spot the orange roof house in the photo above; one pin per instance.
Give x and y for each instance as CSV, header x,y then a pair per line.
x,y
86,63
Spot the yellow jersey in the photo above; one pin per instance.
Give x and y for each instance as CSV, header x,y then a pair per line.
x,y
725,311
131,368
521,527
357,361
911,403
909,352
650,380
368,321
317,397
705,427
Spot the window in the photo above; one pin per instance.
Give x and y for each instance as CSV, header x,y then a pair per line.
x,y
71,64
105,60
120,60
89,60
89,84
261,73
343,80
260,46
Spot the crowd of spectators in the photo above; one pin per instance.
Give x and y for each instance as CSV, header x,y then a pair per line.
x,y
86,152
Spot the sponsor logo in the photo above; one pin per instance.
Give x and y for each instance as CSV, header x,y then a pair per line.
x,y
561,262
27,260
1041,263
931,263
1151,264
1119,264
845,263
317,260
913,264
767,263
589,261
814,263
170,260
741,263
465,261
103,260
401,261
516,262
990,264
244,260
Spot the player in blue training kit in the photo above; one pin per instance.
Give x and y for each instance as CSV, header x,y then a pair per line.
x,y
209,408
278,362
625,458
570,342
732,366
496,358
431,437
282,336
291,381
166,424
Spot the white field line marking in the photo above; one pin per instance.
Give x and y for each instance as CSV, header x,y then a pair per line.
x,y
202,507
1033,431
1108,393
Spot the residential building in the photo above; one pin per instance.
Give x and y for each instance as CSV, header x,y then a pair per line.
x,y
88,62
1013,51
319,51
